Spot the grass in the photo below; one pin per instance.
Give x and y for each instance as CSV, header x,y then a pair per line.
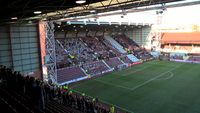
x,y
151,87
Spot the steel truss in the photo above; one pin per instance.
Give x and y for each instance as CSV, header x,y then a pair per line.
x,y
50,52
105,6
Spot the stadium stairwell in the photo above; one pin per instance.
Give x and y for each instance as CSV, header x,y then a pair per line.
x,y
83,70
121,61
133,58
115,44
106,64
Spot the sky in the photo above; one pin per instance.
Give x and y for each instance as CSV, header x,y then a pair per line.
x,y
182,15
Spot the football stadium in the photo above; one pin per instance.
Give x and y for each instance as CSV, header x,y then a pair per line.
x,y
100,56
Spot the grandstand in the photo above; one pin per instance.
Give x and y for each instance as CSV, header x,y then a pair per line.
x,y
100,56
180,42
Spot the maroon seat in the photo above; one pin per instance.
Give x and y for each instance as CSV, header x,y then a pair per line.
x,y
66,74
113,62
94,68
125,59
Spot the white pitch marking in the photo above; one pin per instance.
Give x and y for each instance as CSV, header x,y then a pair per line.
x,y
113,84
161,64
135,71
144,83
166,78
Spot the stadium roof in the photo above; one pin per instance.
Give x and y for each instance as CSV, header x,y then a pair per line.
x,y
55,9
181,38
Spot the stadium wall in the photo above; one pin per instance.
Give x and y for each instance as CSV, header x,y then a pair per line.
x,y
19,48
140,35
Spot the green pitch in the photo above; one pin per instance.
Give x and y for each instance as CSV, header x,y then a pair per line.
x,y
151,87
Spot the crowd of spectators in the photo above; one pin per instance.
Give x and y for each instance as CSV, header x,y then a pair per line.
x,y
114,62
132,47
126,42
97,45
194,58
41,92
95,68
177,57
81,50
62,59
142,54
125,59
88,52
77,51
112,49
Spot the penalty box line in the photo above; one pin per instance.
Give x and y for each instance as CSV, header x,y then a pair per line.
x,y
166,78
154,78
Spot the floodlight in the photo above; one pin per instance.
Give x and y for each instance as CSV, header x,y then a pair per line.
x,y
80,1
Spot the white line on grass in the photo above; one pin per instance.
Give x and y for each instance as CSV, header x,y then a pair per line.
x,y
166,78
122,75
160,64
135,71
144,83
113,84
